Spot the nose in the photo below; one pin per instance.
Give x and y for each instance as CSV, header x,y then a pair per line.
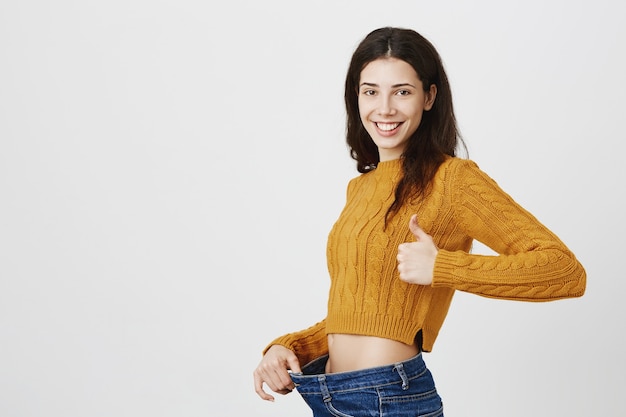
x,y
385,107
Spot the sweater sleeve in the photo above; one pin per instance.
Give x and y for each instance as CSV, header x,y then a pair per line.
x,y
307,344
532,263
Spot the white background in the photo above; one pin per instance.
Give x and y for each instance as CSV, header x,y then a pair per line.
x,y
169,171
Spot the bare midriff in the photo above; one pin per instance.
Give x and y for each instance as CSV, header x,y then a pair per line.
x,y
349,352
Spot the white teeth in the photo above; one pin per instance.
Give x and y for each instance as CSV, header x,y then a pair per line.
x,y
387,126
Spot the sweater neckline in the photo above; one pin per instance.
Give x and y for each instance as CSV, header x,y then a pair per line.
x,y
390,166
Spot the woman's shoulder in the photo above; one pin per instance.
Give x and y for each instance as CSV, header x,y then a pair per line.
x,y
457,173
453,165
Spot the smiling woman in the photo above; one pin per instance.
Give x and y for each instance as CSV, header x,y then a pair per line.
x,y
391,111
392,278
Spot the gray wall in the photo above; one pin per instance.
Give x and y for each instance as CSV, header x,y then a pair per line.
x,y
169,171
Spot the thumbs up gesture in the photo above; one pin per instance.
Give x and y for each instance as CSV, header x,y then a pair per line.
x,y
416,260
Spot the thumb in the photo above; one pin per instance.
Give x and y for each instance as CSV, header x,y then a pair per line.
x,y
416,229
294,364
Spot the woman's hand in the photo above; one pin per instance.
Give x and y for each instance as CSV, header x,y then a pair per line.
x,y
273,371
416,260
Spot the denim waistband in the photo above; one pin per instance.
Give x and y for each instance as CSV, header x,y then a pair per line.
x,y
309,379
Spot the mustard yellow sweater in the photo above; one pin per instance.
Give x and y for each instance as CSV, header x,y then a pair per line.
x,y
367,297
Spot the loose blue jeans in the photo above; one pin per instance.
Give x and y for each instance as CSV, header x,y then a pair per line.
x,y
401,389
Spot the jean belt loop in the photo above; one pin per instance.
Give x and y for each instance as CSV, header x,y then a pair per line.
x,y
405,380
324,388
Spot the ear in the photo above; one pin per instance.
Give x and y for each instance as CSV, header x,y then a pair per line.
x,y
431,94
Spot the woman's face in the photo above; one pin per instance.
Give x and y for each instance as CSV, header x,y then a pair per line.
x,y
391,102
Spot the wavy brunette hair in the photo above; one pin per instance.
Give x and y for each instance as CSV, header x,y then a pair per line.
x,y
437,135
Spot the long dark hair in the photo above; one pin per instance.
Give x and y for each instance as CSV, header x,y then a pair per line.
x,y
437,135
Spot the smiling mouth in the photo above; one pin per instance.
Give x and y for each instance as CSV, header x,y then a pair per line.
x,y
387,127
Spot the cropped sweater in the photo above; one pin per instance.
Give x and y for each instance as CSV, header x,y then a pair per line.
x,y
366,295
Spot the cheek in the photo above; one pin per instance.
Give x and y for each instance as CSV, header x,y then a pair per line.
x,y
362,107
415,113
363,113
415,123
363,116
366,112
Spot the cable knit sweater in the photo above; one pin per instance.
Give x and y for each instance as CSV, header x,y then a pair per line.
x,y
367,297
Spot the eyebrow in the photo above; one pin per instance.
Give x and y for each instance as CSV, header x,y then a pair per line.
x,y
393,86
